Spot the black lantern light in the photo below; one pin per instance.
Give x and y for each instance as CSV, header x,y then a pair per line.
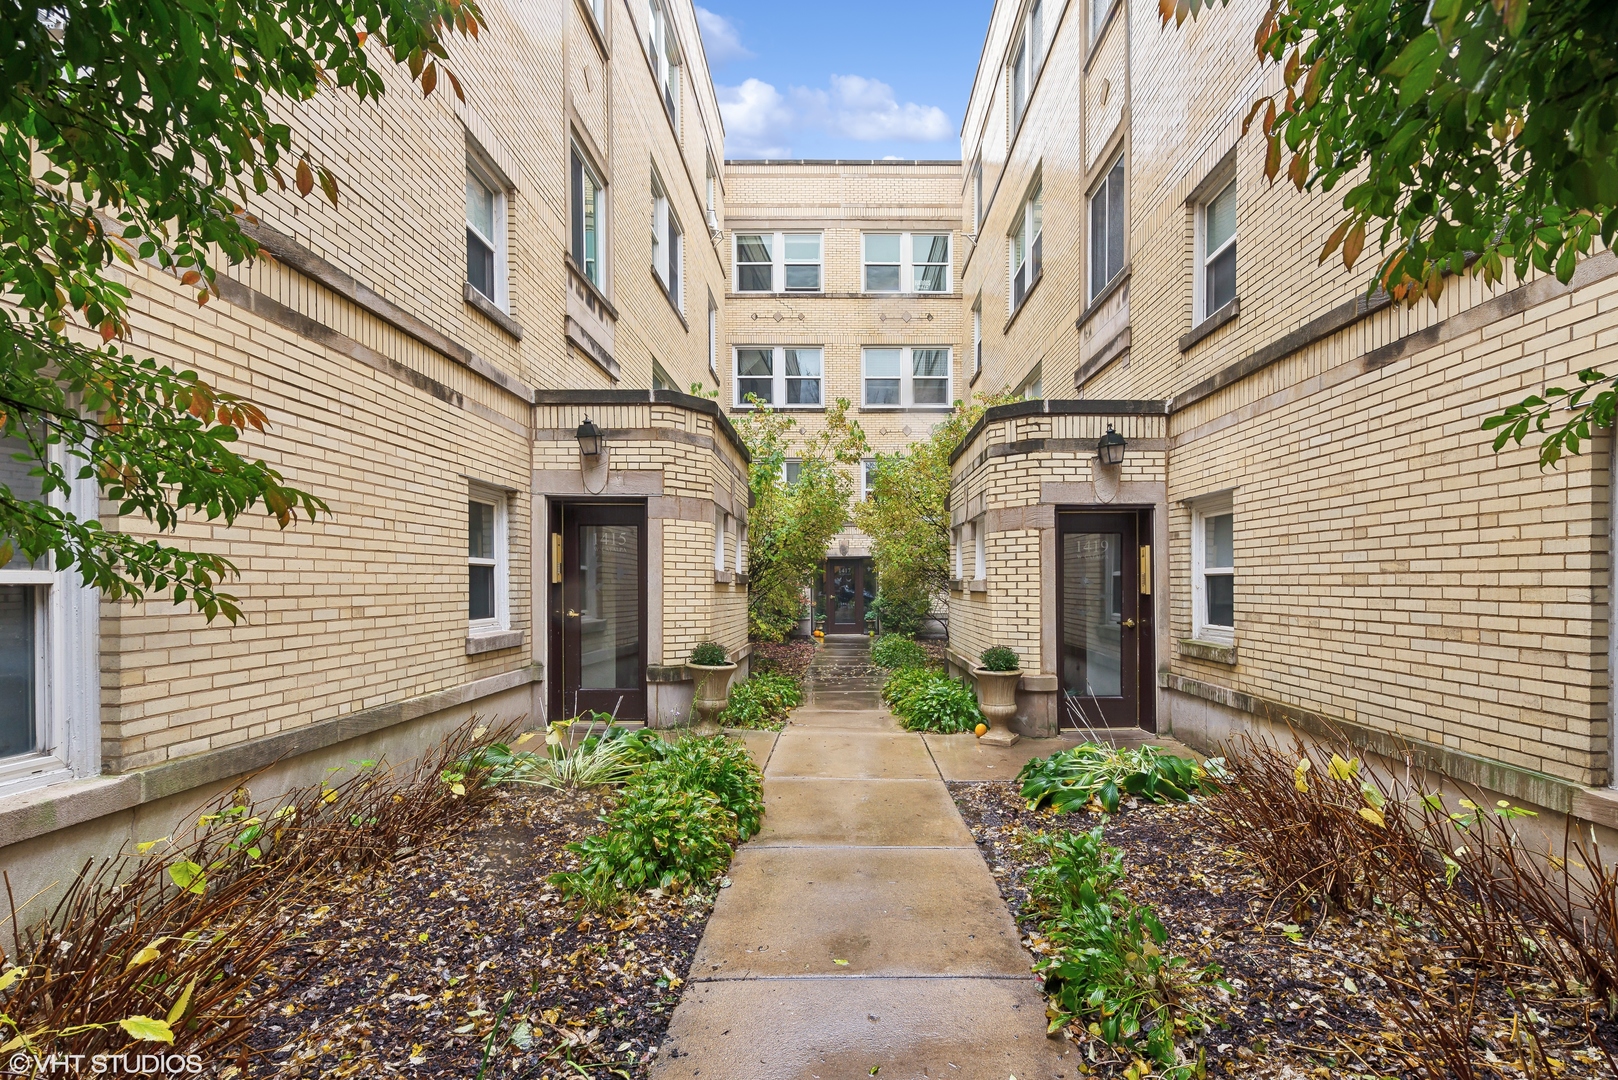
x,y
590,439
1110,449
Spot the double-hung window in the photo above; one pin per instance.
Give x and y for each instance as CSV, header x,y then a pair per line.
x,y
713,337
1099,10
977,198
778,262
1027,252
791,470
907,262
903,378
1216,252
1026,58
1213,571
867,479
486,561
665,57
667,244
977,336
587,217
485,235
1107,225
782,377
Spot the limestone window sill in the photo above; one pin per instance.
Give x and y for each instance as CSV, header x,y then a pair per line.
x,y
492,641
977,585
723,577
1212,651
490,311
1213,322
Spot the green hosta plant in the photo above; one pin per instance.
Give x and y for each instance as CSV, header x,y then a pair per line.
x,y
709,654
1069,779
904,684
719,766
761,701
941,705
1000,658
658,836
1103,957
897,651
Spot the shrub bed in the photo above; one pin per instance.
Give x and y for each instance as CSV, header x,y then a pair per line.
x,y
1070,779
898,651
927,700
762,701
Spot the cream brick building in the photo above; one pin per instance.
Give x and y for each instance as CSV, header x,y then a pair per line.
x,y
844,284
1307,526
498,272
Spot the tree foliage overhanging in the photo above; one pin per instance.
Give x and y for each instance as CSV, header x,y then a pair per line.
x,y
135,130
1474,135
790,525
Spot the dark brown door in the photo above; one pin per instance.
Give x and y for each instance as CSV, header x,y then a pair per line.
x,y
600,611
1104,637
845,596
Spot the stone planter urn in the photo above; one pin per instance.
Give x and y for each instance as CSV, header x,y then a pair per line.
x,y
713,684
997,695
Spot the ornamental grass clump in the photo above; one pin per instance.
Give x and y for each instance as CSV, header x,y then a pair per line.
x,y
1102,958
1070,779
895,651
762,701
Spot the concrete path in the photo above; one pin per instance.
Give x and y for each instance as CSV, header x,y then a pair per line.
x,y
862,933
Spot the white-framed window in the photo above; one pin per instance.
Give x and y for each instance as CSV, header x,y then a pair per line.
x,y
1027,246
778,262
710,198
487,561
906,262
661,379
587,216
1099,10
1216,253
665,57
977,197
980,554
785,377
1108,222
721,527
668,244
906,378
977,335
791,470
50,684
485,234
1213,570
867,478
1033,387
957,543
1027,56
713,337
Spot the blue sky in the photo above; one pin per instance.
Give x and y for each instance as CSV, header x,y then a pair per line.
x,y
843,78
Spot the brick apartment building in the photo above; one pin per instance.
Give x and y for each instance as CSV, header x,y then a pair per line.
x,y
1306,525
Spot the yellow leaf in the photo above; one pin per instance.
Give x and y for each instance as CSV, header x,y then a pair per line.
x,y
1298,781
524,737
148,845
479,731
11,976
1373,816
1341,769
148,1029
840,963
458,789
183,1002
423,936
146,955
330,796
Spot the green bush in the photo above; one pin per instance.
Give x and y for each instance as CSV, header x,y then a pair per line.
x,y
709,654
904,683
1068,779
942,705
1106,964
898,614
999,658
761,701
675,822
897,651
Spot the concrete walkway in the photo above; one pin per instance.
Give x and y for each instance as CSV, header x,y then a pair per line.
x,y
862,929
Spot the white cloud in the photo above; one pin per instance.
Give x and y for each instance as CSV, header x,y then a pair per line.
x,y
720,39
760,120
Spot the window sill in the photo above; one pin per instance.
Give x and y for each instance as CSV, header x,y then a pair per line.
x,y
484,641
674,304
1024,305
1213,322
594,289
746,407
723,577
905,408
1212,651
490,311
977,585
1102,297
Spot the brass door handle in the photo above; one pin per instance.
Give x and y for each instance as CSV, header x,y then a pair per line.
x,y
1129,624
573,614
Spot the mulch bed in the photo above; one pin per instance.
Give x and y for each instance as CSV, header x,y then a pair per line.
x,y
405,972
791,657
1311,996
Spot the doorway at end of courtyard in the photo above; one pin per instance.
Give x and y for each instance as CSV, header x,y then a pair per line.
x,y
1105,619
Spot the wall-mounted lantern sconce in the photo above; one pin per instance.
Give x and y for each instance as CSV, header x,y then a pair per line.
x,y
1110,448
591,441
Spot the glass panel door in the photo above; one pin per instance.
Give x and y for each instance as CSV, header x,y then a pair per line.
x,y
602,612
1098,625
845,596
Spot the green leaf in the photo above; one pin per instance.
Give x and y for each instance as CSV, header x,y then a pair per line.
x,y
189,876
147,1029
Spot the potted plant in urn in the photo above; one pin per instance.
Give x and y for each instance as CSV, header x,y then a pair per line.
x,y
997,684
712,668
